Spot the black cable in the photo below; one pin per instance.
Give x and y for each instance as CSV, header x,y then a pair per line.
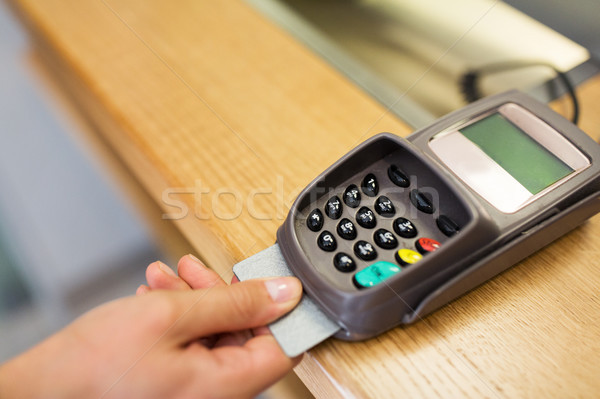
x,y
469,82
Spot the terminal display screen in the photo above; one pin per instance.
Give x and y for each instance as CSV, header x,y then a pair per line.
x,y
528,162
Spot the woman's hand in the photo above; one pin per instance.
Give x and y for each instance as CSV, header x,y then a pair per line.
x,y
187,336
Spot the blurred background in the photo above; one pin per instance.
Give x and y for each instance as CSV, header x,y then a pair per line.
x,y
71,235
410,55
77,230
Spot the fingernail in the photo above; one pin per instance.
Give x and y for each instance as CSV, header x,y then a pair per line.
x,y
198,261
283,289
166,269
142,289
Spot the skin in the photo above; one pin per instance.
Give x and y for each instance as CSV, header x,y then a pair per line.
x,y
182,336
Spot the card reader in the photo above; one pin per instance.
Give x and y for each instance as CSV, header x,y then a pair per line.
x,y
398,227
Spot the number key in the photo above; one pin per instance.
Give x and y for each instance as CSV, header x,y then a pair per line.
x,y
385,207
365,250
326,241
369,185
385,239
346,229
405,228
352,196
366,218
333,208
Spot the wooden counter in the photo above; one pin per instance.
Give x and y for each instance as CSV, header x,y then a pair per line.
x,y
220,113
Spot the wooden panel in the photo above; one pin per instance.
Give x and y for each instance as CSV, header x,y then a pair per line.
x,y
211,99
210,104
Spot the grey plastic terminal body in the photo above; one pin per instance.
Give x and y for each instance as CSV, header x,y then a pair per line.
x,y
488,242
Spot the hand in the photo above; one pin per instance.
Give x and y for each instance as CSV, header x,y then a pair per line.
x,y
192,274
165,343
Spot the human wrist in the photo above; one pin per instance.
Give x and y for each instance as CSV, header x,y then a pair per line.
x,y
11,383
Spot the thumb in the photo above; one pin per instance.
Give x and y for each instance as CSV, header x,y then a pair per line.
x,y
249,304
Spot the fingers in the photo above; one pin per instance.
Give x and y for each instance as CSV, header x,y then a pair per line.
x,y
192,274
142,289
262,330
161,277
237,338
258,364
249,304
196,275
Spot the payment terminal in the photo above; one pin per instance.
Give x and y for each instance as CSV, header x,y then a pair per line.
x,y
398,227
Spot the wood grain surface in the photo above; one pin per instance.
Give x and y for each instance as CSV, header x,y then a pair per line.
x,y
219,112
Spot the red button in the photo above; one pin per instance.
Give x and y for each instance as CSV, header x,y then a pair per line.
x,y
425,245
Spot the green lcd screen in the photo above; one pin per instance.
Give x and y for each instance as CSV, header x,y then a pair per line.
x,y
516,152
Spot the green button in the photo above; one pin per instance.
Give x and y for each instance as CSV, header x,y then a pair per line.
x,y
375,274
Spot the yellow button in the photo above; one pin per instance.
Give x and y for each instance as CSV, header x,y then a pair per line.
x,y
407,256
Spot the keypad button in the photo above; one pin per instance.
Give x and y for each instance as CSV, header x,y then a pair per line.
x,y
369,185
398,177
326,241
352,196
315,220
447,225
385,207
344,263
385,239
422,201
375,274
366,218
365,250
407,257
405,228
425,245
333,208
346,229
